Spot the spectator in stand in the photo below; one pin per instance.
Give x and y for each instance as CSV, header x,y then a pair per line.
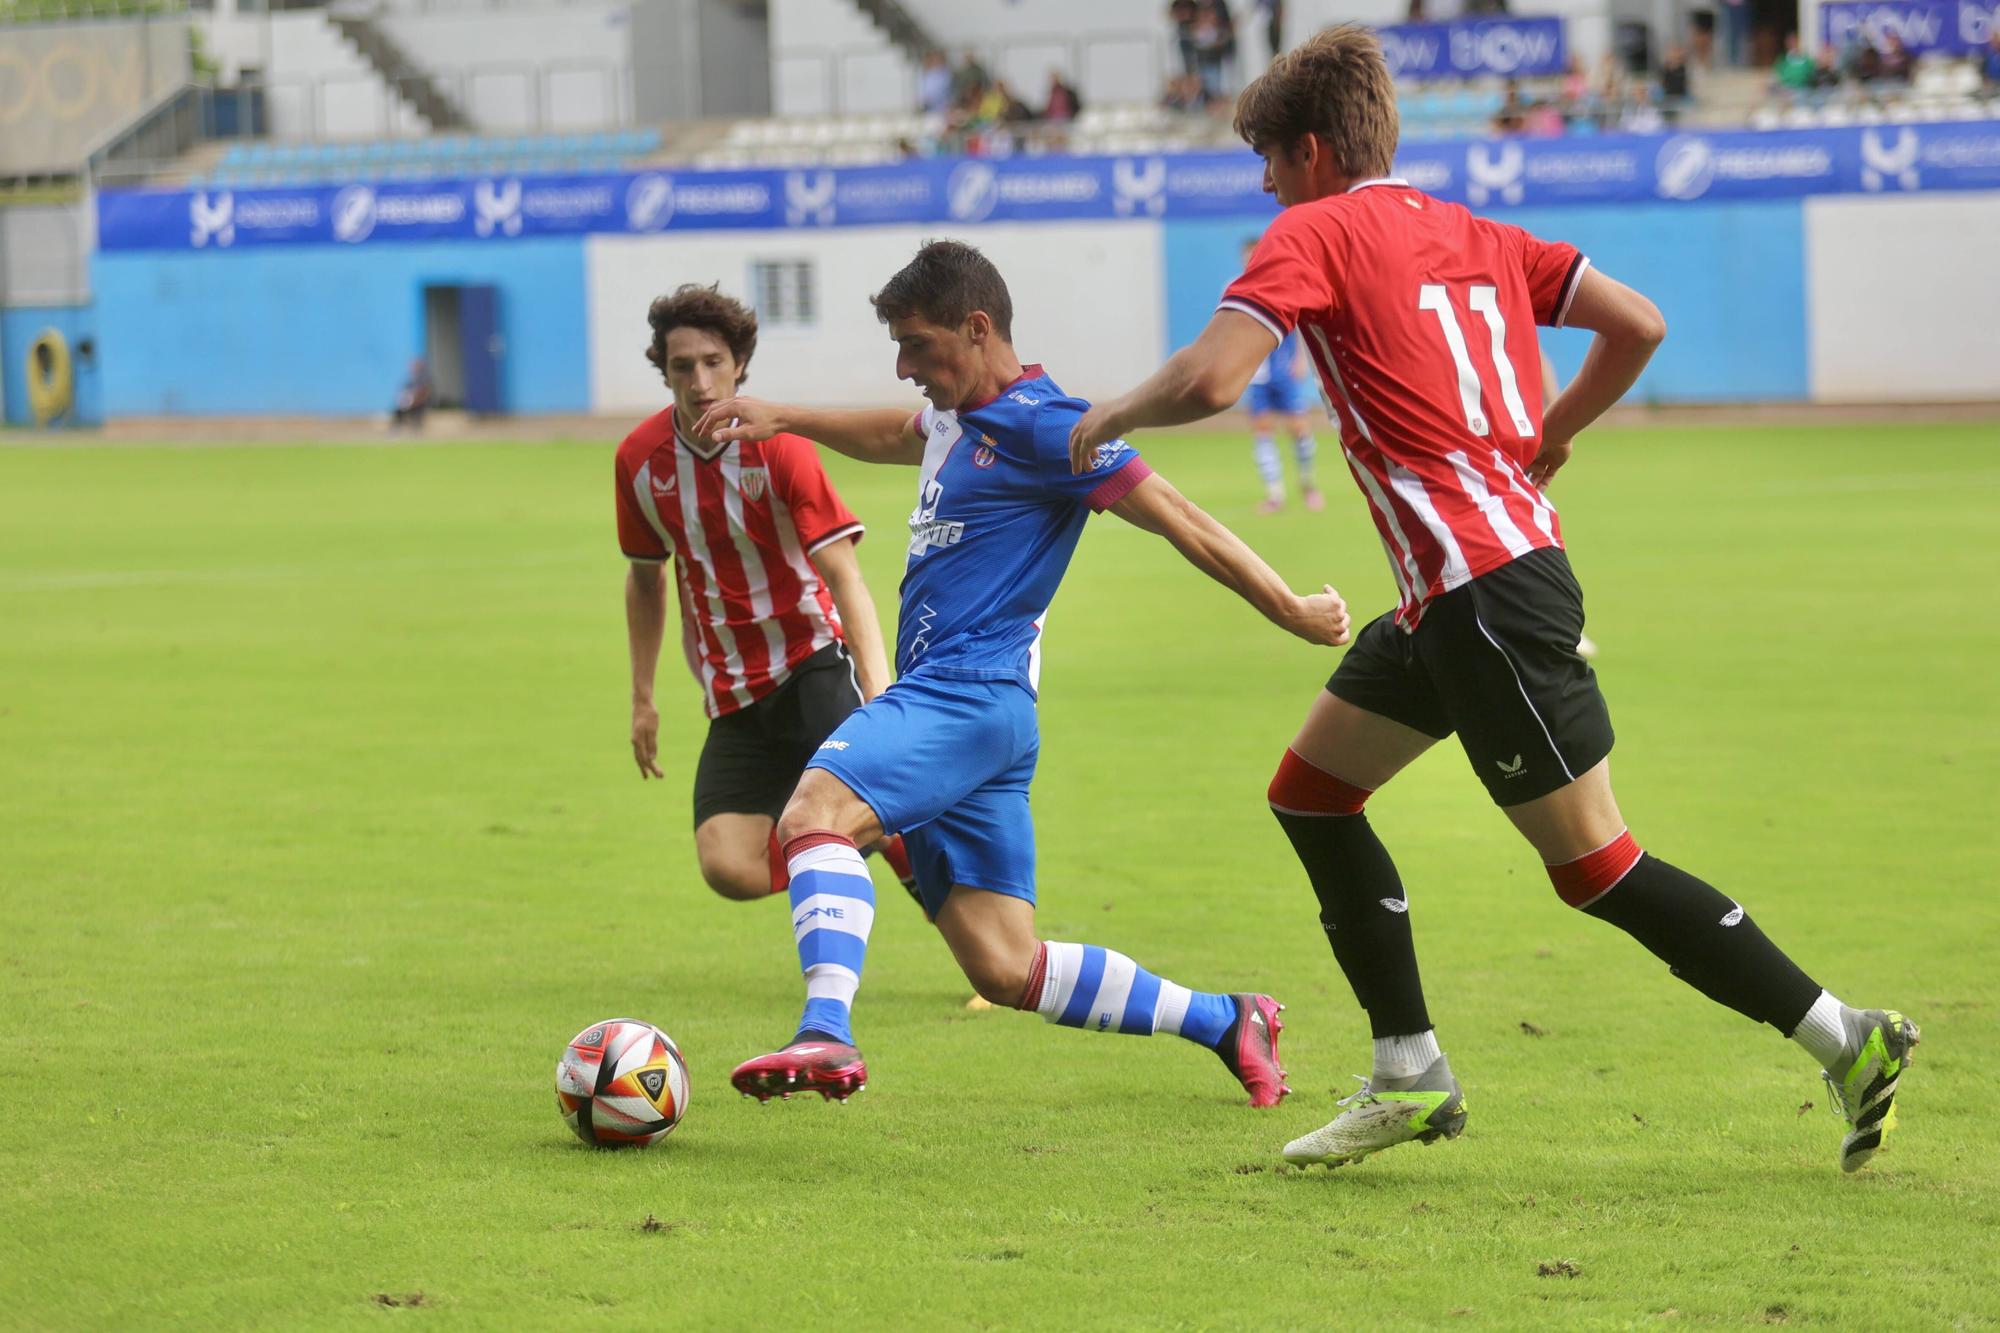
x,y
1182,14
934,84
1184,94
1794,71
1063,102
1013,110
969,80
1512,117
1735,15
1274,26
1674,81
1214,43
1826,71
1897,62
1415,13
1989,68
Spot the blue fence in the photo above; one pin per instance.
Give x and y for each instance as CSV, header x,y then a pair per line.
x,y
1610,169
1950,26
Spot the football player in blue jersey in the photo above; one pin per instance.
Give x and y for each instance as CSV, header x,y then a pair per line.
x,y
945,755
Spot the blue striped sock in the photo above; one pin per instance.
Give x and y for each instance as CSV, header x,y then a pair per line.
x,y
1084,986
833,909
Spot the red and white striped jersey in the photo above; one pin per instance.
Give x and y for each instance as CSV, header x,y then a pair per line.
x,y
1421,319
740,521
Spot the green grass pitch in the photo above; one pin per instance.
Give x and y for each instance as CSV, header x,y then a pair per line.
x,y
319,835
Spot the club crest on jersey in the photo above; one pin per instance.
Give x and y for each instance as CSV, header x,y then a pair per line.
x,y
752,482
983,456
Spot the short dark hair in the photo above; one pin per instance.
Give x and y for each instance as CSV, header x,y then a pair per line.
x,y
692,306
944,284
1335,85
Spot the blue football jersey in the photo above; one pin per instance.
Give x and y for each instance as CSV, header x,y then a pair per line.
x,y
998,516
1277,367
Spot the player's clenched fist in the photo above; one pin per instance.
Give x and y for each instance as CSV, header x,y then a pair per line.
x,y
646,740
1321,618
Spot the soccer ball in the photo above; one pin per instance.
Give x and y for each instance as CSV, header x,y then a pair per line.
x,y
622,1083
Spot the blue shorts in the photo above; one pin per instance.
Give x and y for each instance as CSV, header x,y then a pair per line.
x,y
1283,397
947,764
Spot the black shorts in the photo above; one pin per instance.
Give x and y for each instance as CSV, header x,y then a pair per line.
x,y
1495,661
753,756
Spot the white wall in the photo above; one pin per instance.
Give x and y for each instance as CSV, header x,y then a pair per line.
x,y
320,87
573,63
1899,301
1088,303
826,56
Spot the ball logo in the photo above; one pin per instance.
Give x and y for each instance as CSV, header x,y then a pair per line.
x,y
649,202
654,1081
353,214
496,206
1883,162
212,220
972,192
1685,167
809,198
1494,174
1139,186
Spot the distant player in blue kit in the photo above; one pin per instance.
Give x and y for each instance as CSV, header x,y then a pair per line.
x,y
1279,388
945,754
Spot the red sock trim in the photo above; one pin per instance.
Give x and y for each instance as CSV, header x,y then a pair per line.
x,y
898,857
1031,994
1298,788
818,837
781,873
1594,874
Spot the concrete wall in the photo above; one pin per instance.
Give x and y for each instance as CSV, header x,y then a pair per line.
x,y
1902,298
319,86
327,329
65,86
1055,273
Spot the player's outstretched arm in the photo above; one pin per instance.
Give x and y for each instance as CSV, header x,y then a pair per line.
x,y
1628,328
1157,507
838,565
871,434
1201,379
645,627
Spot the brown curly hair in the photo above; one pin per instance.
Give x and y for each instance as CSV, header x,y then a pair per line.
x,y
692,305
1337,86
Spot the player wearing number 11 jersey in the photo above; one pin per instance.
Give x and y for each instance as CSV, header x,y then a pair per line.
x,y
1420,319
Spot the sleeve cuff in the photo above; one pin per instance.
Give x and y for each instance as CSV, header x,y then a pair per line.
x,y
1243,305
1570,284
854,530
1118,485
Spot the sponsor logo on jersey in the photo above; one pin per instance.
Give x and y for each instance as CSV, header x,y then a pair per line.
x,y
1513,768
1107,454
1023,399
753,482
927,530
664,485
833,745
1734,916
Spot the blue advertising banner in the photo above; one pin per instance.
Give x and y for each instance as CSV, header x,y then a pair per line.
x,y
1950,26
1475,48
1498,173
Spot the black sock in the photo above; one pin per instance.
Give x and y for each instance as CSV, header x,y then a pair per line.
x,y
1709,942
1353,876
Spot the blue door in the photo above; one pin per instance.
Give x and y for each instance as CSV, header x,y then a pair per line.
x,y
483,348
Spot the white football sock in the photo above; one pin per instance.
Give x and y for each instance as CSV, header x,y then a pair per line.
x,y
1404,1057
1821,1031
